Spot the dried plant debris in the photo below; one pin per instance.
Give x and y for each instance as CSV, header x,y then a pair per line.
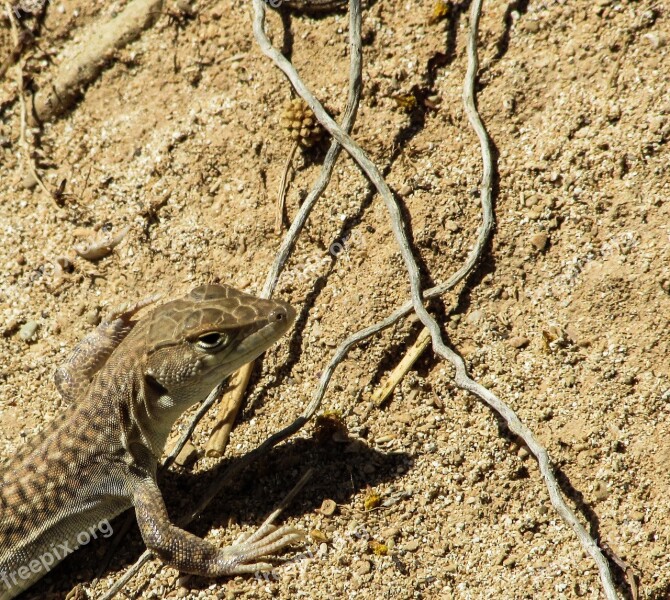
x,y
300,123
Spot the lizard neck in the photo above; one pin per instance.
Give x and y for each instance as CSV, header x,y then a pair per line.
x,y
154,412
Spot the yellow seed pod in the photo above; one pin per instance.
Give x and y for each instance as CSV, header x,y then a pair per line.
x,y
300,123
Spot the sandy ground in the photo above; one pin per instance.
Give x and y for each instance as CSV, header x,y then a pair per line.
x,y
567,318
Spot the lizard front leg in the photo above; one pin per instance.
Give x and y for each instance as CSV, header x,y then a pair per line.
x,y
91,353
191,554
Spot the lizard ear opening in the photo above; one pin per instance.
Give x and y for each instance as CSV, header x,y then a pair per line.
x,y
155,385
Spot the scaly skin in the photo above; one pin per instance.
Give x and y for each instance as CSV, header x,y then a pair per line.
x,y
127,383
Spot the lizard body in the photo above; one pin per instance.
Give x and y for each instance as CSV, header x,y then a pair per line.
x,y
128,382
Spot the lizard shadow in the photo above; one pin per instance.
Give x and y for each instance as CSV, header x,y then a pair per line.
x,y
342,470
345,469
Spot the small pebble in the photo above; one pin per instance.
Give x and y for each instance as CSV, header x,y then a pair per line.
x,y
475,317
28,331
29,181
539,241
406,418
655,40
452,226
318,536
92,317
509,562
328,507
362,567
601,492
518,341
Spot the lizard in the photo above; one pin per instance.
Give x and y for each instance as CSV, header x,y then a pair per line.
x,y
125,384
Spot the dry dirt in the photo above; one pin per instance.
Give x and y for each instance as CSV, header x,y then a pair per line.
x,y
566,319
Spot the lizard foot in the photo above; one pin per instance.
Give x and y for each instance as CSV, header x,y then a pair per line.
x,y
242,557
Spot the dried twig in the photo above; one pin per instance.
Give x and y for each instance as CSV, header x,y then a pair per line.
x,y
281,198
23,140
401,369
353,99
627,569
78,72
25,38
229,406
289,240
461,378
350,111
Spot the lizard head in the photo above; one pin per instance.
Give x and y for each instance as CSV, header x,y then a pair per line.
x,y
194,342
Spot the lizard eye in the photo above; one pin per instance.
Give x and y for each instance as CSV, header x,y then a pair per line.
x,y
212,341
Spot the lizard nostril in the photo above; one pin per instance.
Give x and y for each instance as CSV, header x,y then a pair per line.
x,y
278,315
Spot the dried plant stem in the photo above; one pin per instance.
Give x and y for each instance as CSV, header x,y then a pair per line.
x,y
229,406
461,378
401,369
353,99
81,70
23,140
281,197
348,120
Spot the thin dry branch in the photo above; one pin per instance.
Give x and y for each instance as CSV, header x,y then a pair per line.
x,y
350,111
355,81
228,409
23,139
353,99
461,378
401,369
76,74
281,197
